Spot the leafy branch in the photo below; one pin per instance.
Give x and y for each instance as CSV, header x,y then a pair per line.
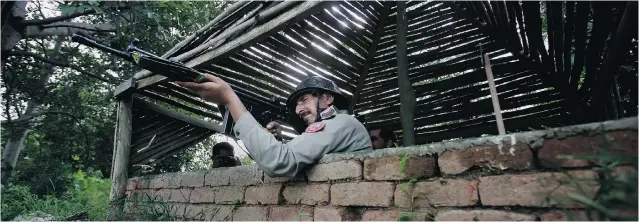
x,y
60,63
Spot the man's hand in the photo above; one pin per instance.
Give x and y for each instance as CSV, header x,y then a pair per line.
x,y
214,90
274,128
217,91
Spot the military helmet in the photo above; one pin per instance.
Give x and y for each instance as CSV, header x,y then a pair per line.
x,y
308,85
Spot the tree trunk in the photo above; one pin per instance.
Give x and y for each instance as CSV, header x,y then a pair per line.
x,y
18,136
10,34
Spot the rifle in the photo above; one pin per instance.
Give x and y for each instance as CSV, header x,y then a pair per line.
x,y
177,71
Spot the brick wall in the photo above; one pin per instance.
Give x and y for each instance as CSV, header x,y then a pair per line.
x,y
507,177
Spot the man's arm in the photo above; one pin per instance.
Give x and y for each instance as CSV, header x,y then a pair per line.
x,y
277,159
272,156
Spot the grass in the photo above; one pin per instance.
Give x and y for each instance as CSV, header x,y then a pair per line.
x,y
90,194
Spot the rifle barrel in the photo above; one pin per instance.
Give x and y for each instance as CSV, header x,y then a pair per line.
x,y
92,43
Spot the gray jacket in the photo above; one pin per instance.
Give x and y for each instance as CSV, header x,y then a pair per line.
x,y
336,132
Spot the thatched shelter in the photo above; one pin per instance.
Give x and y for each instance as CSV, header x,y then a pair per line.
x,y
417,67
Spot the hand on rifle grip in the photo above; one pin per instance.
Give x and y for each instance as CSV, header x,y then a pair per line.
x,y
276,129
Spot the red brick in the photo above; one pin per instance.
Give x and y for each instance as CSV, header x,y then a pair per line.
x,y
228,195
178,209
298,177
482,215
167,180
456,192
180,195
194,212
564,216
348,169
192,179
550,153
392,215
506,156
309,194
217,177
143,184
333,214
243,213
143,194
381,215
263,195
362,194
623,142
290,214
387,168
245,175
533,190
217,212
203,195
162,194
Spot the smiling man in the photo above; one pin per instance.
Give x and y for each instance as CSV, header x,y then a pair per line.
x,y
316,111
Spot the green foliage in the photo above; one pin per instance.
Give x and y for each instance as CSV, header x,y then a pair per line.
x,y
90,195
402,163
246,160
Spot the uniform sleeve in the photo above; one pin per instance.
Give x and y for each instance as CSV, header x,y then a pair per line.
x,y
275,158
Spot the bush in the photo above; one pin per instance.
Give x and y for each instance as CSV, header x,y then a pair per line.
x,y
90,194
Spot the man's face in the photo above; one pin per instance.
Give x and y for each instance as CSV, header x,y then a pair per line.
x,y
376,139
306,107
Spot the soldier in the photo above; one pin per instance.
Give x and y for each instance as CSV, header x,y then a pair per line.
x,y
381,137
224,156
316,111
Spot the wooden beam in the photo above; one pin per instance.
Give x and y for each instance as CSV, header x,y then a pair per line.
x,y
493,95
256,34
406,92
180,116
121,152
604,79
370,56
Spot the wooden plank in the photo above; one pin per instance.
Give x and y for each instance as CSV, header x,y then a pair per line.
x,y
453,113
194,136
183,132
451,97
187,98
540,110
179,105
493,95
480,129
250,38
178,145
406,92
120,165
369,57
180,116
144,137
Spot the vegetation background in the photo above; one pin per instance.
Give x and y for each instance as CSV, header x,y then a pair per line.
x,y
57,104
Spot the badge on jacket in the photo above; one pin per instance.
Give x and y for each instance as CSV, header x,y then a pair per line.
x,y
315,127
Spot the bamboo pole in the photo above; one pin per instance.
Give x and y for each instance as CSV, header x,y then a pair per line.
x,y
493,94
119,169
370,56
406,92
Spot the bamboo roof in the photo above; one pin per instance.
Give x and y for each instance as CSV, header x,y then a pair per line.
x,y
546,75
